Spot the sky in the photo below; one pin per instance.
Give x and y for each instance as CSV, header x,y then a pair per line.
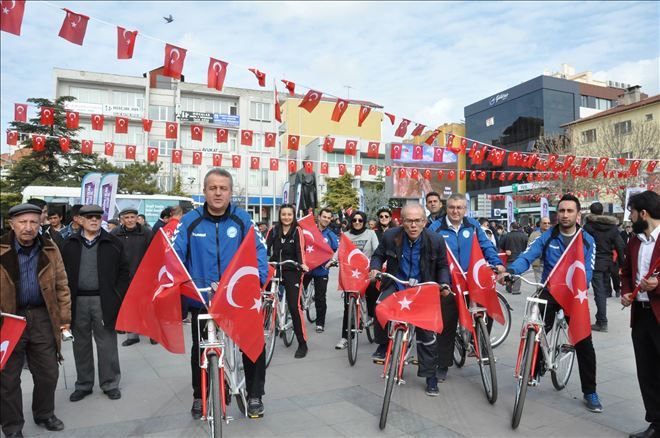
x,y
424,61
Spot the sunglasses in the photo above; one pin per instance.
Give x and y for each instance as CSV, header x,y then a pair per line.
x,y
384,216
358,220
93,216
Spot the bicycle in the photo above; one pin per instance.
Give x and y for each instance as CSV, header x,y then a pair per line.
x,y
400,336
358,321
277,318
308,303
558,355
499,332
222,373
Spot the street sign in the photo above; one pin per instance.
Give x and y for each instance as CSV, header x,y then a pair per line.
x,y
514,188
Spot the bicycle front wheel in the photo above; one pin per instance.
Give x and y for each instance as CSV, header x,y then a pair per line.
x,y
486,361
564,357
352,331
270,330
522,378
459,349
214,403
310,305
391,376
287,335
499,332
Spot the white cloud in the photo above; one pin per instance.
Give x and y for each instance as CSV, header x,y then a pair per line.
x,y
644,72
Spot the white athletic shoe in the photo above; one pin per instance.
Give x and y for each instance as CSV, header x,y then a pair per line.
x,y
343,343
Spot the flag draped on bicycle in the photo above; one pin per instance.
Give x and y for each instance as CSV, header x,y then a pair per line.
x,y
419,306
317,250
459,286
353,267
481,283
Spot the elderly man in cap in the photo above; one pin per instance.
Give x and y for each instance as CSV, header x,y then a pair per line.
x,y
97,268
135,238
33,284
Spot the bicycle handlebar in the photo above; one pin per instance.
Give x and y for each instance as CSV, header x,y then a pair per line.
x,y
286,262
410,282
513,277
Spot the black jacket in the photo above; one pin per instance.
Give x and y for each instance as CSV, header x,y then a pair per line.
x,y
135,243
287,247
433,257
514,241
604,229
112,270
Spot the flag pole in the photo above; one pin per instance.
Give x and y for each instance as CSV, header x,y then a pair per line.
x,y
199,294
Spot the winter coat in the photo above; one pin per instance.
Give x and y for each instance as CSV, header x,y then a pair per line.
x,y
605,231
516,242
135,244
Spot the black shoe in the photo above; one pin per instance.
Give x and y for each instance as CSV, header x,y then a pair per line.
x,y
113,394
78,395
432,386
379,354
599,327
153,342
196,410
53,423
255,407
651,432
18,434
129,342
301,351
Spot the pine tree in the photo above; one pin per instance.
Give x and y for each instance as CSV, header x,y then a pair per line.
x,y
341,194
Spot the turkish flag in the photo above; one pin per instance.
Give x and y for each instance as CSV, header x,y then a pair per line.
x,y
261,76
173,63
602,162
358,170
121,125
254,163
431,138
324,168
438,154
86,147
274,164
418,152
650,168
12,138
362,115
38,143
97,122
450,141
351,147
481,283
291,86
171,130
342,169
293,142
414,173
196,132
292,166
152,305
418,130
353,267
372,149
146,125
464,144
310,100
109,148
419,306
152,154
373,169
217,160
317,250
478,156
461,175
197,158
20,112
12,19
125,42
221,135
47,116
74,27
451,175
402,129
246,137
130,152
65,144
459,287
309,166
403,173
427,174
217,72
440,175
236,306
11,329
278,108
388,170
391,117
176,156
329,144
567,283
395,151
236,161
568,162
270,139
72,120
340,108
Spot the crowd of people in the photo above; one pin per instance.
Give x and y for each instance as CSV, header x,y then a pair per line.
x,y
74,277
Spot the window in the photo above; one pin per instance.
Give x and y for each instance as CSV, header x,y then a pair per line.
x,y
89,95
649,117
589,136
260,111
622,128
595,102
164,82
128,98
161,113
164,147
490,121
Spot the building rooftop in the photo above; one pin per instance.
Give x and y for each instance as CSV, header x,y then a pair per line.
x,y
617,109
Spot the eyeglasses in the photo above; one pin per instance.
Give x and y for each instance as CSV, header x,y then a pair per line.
x,y
454,207
94,216
358,220
384,216
413,221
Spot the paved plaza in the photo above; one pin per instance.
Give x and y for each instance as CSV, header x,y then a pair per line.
x,y
323,396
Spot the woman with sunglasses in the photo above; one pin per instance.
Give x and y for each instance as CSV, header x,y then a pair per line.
x,y
384,216
366,241
285,242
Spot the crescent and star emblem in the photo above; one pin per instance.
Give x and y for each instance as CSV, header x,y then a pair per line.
x,y
129,37
240,273
308,233
20,109
313,96
4,347
162,286
178,55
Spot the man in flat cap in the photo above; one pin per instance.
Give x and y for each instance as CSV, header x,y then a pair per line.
x,y
97,267
136,239
33,284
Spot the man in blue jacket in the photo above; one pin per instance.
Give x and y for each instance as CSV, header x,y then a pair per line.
x,y
321,273
206,239
551,245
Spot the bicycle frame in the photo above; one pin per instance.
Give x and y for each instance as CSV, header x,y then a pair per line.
x,y
211,345
408,333
358,304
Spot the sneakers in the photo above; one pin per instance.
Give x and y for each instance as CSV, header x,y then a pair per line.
x,y
593,403
319,329
342,344
301,351
432,387
255,407
78,395
196,409
599,327
442,374
379,354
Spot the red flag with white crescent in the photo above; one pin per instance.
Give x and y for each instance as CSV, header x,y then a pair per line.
x,y
340,108
342,169
65,144
329,144
309,166
290,86
216,74
217,160
431,138
418,152
372,149
197,158
310,100
12,138
38,143
278,107
373,169
419,129
293,166
176,156
270,139
362,115
324,168
391,117
254,163
395,151
293,142
152,154
146,125
274,164
317,250
419,306
125,42
171,130
388,170
196,132
109,148
358,170
130,152
173,63
11,330
459,287
97,122
47,116
236,161
350,148
353,267
86,147
73,27
12,17
72,120
481,283
261,76
402,129
121,125
438,155
221,135
20,111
